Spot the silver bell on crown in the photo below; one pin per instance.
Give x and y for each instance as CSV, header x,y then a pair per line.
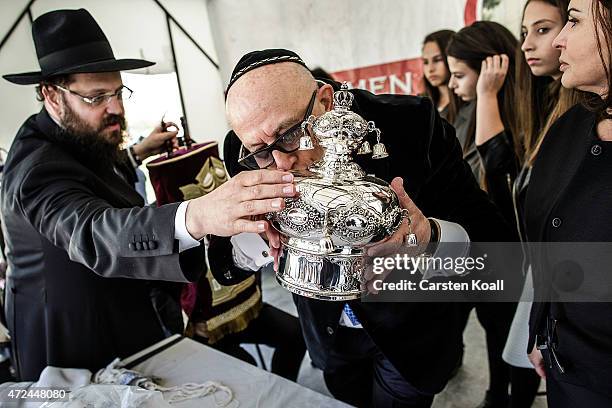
x,y
306,140
380,151
364,148
306,143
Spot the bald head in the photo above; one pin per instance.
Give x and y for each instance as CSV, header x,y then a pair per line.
x,y
268,88
267,101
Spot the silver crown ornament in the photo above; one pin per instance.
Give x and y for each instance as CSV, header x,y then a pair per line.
x,y
339,209
305,139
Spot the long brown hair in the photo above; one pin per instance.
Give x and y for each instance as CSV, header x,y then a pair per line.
x,y
475,43
441,38
602,14
540,100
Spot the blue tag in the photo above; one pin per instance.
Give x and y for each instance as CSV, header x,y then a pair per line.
x,y
349,313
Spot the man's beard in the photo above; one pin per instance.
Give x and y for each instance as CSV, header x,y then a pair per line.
x,y
89,143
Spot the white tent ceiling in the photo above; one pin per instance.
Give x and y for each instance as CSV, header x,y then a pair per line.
x,y
337,35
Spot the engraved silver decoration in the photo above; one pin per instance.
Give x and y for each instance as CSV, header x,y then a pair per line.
x,y
339,210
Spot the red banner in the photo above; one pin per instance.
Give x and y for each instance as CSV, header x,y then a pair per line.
x,y
471,11
399,77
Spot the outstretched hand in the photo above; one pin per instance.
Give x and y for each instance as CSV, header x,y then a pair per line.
x,y
233,206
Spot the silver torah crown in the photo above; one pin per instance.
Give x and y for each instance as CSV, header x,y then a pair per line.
x,y
340,209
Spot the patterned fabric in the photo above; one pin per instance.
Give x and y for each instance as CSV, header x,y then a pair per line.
x,y
210,177
214,310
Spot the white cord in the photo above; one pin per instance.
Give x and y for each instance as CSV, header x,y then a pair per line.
x,y
113,374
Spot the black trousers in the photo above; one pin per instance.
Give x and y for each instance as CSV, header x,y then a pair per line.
x,y
496,319
561,394
525,383
275,328
359,374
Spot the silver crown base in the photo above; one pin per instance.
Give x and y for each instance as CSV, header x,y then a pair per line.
x,y
329,277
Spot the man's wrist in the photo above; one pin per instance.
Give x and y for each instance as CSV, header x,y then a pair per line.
x,y
139,150
137,158
434,237
193,221
186,240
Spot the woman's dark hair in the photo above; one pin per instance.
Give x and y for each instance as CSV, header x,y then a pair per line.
x,y
441,38
475,43
540,100
602,15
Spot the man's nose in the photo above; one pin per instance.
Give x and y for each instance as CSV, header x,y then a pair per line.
x,y
284,161
115,106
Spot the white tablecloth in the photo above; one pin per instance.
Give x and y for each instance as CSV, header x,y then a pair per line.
x,y
188,361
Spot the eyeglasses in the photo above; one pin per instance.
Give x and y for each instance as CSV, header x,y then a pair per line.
x,y
122,93
287,142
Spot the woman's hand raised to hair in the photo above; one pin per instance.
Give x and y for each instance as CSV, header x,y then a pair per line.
x,y
492,75
488,115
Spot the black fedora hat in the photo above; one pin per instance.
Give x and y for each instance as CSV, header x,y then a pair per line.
x,y
70,42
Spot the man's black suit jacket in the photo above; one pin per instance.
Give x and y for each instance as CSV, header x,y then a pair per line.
x,y
81,252
422,340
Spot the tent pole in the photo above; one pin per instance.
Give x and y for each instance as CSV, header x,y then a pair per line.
x,y
168,15
178,77
16,23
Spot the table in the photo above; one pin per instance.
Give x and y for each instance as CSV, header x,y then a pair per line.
x,y
179,360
